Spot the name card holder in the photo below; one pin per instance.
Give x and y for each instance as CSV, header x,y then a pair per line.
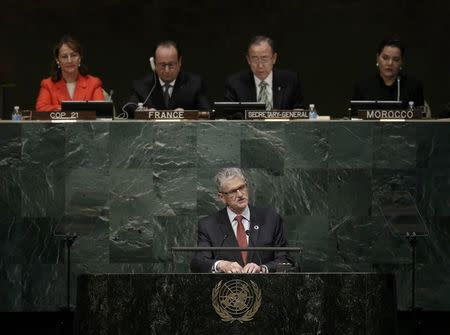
x,y
400,114
64,116
170,115
277,115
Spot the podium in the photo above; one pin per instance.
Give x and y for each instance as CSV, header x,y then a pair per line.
x,y
285,303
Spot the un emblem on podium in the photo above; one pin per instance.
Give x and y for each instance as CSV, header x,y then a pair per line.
x,y
236,300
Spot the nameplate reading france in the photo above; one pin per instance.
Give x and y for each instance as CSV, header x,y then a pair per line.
x,y
400,114
276,114
64,116
170,115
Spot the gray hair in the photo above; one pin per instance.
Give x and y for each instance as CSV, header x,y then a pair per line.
x,y
226,174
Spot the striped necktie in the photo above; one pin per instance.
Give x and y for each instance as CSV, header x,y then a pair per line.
x,y
166,95
264,95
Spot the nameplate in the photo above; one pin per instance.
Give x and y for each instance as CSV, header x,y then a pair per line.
x,y
64,116
400,114
170,115
296,114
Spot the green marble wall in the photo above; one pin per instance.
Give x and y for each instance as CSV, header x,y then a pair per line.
x,y
131,190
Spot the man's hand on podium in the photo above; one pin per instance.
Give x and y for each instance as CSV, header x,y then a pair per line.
x,y
234,267
252,268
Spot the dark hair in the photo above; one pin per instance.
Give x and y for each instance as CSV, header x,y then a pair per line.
x,y
259,39
55,71
391,42
167,44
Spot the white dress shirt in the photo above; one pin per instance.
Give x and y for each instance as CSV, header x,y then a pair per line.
x,y
172,84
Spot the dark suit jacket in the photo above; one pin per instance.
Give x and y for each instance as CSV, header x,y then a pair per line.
x,y
287,94
187,93
374,88
266,230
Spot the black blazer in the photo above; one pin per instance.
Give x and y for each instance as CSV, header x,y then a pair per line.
x,y
287,94
266,230
374,88
188,93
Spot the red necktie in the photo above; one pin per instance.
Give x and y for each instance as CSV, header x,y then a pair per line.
x,y
241,237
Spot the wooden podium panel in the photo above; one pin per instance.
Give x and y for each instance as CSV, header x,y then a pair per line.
x,y
289,303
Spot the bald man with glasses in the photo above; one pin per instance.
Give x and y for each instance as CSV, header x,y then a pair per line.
x,y
278,89
239,225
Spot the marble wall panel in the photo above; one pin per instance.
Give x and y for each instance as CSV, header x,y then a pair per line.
x,y
348,192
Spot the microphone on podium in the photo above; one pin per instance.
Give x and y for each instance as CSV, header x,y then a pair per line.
x,y
253,244
224,238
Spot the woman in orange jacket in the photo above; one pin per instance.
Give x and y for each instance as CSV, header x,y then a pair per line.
x,y
69,78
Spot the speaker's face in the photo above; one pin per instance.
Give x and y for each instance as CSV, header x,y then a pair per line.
x,y
234,194
168,64
69,60
389,62
261,59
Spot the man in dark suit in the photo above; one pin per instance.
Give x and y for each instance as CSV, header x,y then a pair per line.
x,y
239,224
279,89
168,88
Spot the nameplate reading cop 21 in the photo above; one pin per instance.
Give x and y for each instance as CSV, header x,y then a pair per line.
x,y
170,115
400,114
64,116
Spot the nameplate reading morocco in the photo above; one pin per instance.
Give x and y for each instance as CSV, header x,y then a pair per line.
x,y
299,114
64,116
170,115
400,114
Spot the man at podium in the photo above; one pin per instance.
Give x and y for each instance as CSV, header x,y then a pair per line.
x,y
239,225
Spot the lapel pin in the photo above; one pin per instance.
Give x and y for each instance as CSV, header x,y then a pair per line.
x,y
256,227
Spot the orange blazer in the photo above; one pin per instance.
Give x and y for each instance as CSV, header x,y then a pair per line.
x,y
51,94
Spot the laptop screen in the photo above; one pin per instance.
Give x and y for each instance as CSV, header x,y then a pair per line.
x,y
103,109
234,110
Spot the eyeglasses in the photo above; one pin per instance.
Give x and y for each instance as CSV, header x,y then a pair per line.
x,y
260,60
68,57
233,192
170,65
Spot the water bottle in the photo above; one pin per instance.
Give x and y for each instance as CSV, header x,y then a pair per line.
x,y
410,111
16,114
140,107
313,112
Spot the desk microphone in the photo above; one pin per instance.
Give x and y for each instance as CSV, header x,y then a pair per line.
x,y
111,92
221,245
153,67
124,114
398,88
